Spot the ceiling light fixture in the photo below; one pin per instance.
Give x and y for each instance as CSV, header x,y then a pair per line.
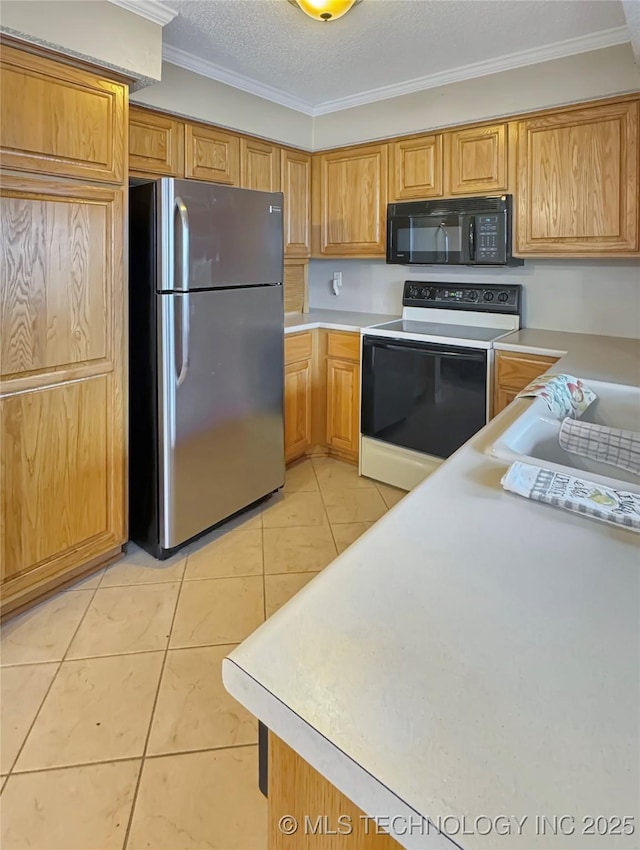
x,y
324,10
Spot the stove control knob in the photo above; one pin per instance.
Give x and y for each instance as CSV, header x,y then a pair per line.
x,y
424,292
472,295
503,297
488,296
413,292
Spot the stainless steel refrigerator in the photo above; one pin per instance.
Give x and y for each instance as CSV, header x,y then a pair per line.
x,y
205,357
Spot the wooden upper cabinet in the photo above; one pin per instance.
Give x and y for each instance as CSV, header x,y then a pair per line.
x,y
211,154
259,165
156,143
295,171
477,160
578,181
415,168
352,201
55,119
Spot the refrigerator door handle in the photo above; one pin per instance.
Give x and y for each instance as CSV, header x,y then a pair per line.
x,y
181,208
181,373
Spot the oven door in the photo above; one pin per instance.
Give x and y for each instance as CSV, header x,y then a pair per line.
x,y
426,239
423,396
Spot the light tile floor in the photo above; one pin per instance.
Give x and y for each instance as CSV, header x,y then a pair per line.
x,y
116,728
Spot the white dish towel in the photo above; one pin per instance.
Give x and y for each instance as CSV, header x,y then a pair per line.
x,y
608,445
617,507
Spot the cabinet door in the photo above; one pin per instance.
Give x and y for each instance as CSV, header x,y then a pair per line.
x,y
295,170
259,165
503,398
415,168
156,143
59,120
61,411
211,154
353,201
343,406
297,409
578,181
512,373
478,160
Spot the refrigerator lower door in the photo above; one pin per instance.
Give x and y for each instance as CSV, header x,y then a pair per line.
x,y
221,405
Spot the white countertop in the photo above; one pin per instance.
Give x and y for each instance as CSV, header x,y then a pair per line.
x,y
339,320
473,655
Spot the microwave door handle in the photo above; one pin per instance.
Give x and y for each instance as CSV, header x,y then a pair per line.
x,y
443,228
472,238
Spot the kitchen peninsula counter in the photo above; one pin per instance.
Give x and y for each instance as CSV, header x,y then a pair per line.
x,y
473,655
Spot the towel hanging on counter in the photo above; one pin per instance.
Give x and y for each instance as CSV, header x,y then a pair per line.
x,y
617,507
609,445
565,395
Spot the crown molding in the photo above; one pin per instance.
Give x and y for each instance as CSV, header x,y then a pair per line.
x,y
557,50
189,62
152,10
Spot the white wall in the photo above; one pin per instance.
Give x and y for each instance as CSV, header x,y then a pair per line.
x,y
586,76
589,296
194,96
98,31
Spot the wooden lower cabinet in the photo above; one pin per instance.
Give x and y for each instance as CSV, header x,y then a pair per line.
x,y
297,409
297,790
298,391
343,394
513,371
62,410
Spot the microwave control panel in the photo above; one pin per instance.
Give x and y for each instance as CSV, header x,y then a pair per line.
x,y
489,235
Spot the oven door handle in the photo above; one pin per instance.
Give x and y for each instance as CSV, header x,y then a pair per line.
x,y
428,348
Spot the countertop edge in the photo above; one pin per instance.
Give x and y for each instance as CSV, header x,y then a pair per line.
x,y
363,789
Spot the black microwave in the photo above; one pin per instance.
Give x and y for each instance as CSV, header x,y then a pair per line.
x,y
454,232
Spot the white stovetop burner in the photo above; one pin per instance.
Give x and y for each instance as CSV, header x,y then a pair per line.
x,y
465,328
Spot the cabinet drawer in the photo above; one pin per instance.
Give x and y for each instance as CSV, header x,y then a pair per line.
x,y
343,344
297,347
515,371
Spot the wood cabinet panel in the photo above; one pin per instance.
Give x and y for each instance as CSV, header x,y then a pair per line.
x,y
343,406
55,475
298,790
298,347
297,408
62,394
259,165
211,154
352,189
54,304
415,168
59,120
295,285
578,181
342,344
478,160
513,371
156,143
295,168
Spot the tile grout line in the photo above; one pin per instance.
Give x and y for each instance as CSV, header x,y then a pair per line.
x,y
121,759
143,755
46,694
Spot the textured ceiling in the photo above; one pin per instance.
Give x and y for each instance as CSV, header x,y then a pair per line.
x,y
378,43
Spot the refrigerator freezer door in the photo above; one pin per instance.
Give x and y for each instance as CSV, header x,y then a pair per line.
x,y
218,236
221,405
